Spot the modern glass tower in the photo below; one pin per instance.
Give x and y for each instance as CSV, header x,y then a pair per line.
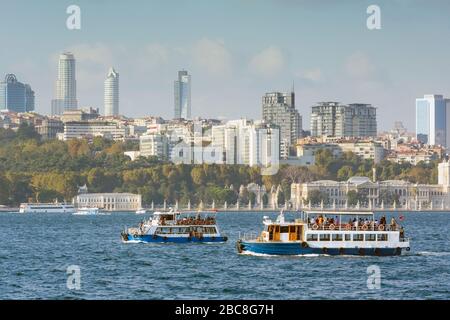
x,y
432,113
112,93
15,96
182,90
66,85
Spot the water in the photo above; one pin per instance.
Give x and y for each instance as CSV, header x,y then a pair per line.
x,y
36,249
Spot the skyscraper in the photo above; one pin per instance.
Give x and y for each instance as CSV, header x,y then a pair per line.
x,y
279,109
182,93
112,93
66,85
336,120
15,96
433,120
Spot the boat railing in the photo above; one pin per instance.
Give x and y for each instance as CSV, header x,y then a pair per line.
x,y
351,227
249,236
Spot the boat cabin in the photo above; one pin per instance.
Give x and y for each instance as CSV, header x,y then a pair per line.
x,y
280,230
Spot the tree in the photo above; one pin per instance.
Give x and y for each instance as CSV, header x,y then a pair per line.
x,y
345,173
317,197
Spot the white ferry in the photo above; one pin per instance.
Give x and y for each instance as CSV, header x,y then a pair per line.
x,y
87,212
46,208
176,227
328,233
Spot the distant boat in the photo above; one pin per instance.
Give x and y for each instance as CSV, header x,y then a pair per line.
x,y
87,212
141,211
176,227
46,208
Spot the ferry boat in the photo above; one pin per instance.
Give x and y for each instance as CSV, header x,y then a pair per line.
x,y
87,211
46,208
176,227
141,211
328,233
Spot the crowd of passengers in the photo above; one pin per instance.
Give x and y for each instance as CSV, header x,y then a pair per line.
x,y
324,222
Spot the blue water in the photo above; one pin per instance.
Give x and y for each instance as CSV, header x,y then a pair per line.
x,y
36,249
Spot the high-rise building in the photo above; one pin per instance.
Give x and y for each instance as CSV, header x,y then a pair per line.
x,y
15,96
433,120
66,85
336,120
112,93
279,109
182,94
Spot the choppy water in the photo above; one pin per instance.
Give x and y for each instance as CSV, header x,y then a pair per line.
x,y
36,249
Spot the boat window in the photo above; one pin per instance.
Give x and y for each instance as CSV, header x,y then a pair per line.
x,y
284,229
336,237
371,237
292,229
311,237
324,237
382,237
358,237
347,237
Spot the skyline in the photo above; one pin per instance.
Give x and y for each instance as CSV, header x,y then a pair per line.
x,y
234,67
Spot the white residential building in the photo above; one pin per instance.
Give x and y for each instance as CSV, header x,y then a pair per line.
x,y
154,145
90,129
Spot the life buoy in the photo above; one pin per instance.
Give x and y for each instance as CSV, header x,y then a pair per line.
x,y
315,226
365,227
361,252
408,248
135,235
332,227
348,227
381,227
305,244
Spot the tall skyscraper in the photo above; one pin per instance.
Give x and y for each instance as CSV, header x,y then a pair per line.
x,y
337,120
66,85
182,92
279,109
16,96
112,93
433,120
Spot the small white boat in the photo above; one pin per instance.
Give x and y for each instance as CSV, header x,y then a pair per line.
x,y
141,211
87,212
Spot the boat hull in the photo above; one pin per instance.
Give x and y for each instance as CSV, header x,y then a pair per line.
x,y
169,239
297,248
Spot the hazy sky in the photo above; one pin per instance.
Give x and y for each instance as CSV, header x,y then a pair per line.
x,y
235,50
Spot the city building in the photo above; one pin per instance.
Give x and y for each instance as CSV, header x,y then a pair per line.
x,y
15,96
307,148
378,194
91,129
109,201
337,120
80,115
66,85
279,109
49,128
154,145
433,120
182,95
112,93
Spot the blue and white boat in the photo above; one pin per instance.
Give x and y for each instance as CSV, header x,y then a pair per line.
x,y
327,233
176,227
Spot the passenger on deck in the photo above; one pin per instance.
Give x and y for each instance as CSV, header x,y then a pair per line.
x,y
393,223
383,220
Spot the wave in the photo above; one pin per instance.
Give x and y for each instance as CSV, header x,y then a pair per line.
x,y
432,253
133,241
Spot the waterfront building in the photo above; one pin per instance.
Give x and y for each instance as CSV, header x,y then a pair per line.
x,y
378,193
182,96
109,201
111,98
279,109
154,144
433,120
91,129
337,120
66,85
15,96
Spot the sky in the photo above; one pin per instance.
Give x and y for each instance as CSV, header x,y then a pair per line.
x,y
235,51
